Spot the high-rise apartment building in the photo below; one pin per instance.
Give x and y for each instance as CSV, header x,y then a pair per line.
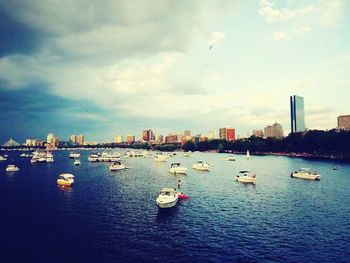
x,y
130,138
187,133
212,135
147,135
344,122
118,139
80,139
74,139
297,114
228,134
274,131
51,138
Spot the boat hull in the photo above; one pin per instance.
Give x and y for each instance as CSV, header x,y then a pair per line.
x,y
306,176
248,180
167,204
178,171
64,183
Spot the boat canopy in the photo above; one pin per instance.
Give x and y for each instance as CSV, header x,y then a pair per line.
x,y
117,163
244,172
305,169
67,176
175,164
167,189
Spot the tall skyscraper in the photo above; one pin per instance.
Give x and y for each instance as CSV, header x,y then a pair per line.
x,y
80,139
130,138
187,133
258,133
297,114
51,138
74,139
147,135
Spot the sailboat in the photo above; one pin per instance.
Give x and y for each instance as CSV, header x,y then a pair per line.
x,y
248,155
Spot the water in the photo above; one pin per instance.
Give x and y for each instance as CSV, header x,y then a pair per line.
x,y
112,216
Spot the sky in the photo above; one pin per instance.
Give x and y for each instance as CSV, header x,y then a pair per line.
x,y
102,68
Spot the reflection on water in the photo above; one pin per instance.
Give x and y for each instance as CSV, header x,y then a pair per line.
x,y
166,215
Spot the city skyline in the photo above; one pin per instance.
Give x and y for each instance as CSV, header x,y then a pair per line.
x,y
116,69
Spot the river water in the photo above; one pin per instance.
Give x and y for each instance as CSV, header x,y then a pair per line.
x,y
112,216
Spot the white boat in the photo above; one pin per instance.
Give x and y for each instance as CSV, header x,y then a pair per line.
x,y
93,158
202,166
245,177
12,168
230,158
167,198
41,159
116,166
248,155
49,159
2,158
305,173
176,168
161,158
65,180
77,162
74,155
23,155
186,155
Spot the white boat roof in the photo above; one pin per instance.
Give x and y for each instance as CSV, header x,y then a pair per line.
x,y
305,169
67,176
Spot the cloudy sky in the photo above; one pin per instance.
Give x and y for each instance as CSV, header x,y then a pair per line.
x,y
107,67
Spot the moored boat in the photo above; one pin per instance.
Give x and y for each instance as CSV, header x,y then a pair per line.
x,y
201,166
245,177
65,180
176,168
167,198
116,166
77,162
11,168
305,173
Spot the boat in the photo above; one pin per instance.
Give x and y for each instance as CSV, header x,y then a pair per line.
x,y
93,158
12,168
65,179
176,168
248,155
202,166
161,158
230,158
245,177
49,158
186,155
167,198
23,155
116,166
41,159
305,173
335,168
77,162
74,155
2,158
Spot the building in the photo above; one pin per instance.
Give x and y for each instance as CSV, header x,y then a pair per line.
x,y
130,139
51,138
187,133
344,122
212,135
147,135
74,139
80,139
297,114
274,131
228,134
171,138
118,139
258,133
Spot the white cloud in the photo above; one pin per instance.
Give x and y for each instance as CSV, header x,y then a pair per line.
x,y
273,14
216,37
303,30
280,36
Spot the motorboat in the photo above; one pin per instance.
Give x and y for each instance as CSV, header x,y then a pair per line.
x,y
41,160
167,198
2,158
49,159
34,159
245,177
93,158
74,155
230,158
65,179
186,155
161,158
202,166
77,162
305,173
116,166
12,168
176,168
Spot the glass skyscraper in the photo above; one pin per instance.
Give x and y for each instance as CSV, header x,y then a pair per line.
x,y
297,115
